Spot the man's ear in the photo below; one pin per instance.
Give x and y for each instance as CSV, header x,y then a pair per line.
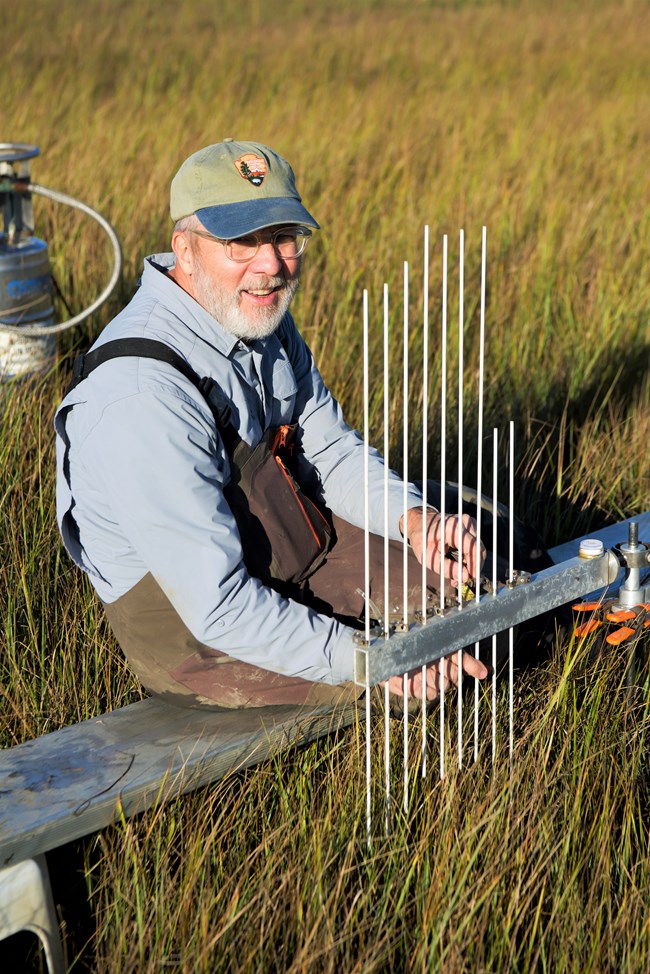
x,y
184,253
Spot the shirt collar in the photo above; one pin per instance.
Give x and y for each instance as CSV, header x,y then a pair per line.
x,y
156,276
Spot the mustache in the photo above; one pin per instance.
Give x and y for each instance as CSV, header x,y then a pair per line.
x,y
266,283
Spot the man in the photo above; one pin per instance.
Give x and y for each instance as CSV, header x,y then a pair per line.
x,y
146,477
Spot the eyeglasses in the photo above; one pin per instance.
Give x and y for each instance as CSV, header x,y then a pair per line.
x,y
287,242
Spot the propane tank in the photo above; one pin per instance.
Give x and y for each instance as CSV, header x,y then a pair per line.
x,y
25,279
27,328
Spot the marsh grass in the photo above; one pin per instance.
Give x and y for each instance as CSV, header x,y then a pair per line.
x,y
539,864
526,117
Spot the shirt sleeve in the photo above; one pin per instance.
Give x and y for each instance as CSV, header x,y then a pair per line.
x,y
337,452
163,470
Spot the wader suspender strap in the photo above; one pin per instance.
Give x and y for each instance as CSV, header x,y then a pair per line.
x,y
86,363
284,534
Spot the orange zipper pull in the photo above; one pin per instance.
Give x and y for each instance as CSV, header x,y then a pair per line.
x,y
280,437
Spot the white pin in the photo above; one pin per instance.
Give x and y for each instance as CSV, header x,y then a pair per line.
x,y
425,464
479,466
386,552
511,571
405,471
366,547
459,532
443,479
495,474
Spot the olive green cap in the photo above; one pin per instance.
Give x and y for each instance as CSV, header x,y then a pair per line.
x,y
237,187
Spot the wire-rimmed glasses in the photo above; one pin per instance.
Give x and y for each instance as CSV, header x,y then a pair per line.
x,y
287,242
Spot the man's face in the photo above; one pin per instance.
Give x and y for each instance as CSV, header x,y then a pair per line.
x,y
248,299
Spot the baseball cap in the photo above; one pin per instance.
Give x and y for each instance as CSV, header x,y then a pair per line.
x,y
237,187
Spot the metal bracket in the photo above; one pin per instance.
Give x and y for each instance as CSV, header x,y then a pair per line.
x,y
634,555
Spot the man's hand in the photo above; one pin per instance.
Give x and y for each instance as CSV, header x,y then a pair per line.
x,y
471,666
473,551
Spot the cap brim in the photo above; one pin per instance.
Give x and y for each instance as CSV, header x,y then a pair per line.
x,y
237,219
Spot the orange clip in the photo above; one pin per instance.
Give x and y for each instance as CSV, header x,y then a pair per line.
x,y
587,607
618,637
621,616
586,628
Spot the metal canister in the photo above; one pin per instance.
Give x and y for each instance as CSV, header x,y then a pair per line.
x,y
25,280
25,299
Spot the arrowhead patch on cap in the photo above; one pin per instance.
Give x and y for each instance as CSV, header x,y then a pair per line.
x,y
252,168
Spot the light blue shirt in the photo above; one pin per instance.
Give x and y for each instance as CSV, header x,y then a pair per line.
x,y
147,469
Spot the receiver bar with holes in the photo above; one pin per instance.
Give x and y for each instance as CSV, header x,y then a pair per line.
x,y
381,658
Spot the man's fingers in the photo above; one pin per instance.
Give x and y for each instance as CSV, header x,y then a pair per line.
x,y
473,556
471,667
454,528
461,536
474,667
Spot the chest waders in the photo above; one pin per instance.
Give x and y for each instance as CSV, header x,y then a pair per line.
x,y
289,542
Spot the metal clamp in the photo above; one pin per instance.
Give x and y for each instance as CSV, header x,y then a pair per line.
x,y
634,555
518,578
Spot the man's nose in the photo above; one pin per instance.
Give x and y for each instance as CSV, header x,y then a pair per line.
x,y
266,260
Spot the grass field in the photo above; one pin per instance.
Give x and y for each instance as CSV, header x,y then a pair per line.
x,y
530,118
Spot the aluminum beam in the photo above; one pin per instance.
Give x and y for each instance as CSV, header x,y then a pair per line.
x,y
382,658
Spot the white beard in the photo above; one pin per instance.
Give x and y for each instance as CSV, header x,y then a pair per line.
x,y
224,305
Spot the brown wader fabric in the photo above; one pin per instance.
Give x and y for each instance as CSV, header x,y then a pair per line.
x,y
171,663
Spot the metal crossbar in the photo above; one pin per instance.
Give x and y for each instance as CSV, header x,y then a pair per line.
x,y
442,635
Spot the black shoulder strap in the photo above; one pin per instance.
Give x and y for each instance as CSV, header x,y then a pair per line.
x,y
86,363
